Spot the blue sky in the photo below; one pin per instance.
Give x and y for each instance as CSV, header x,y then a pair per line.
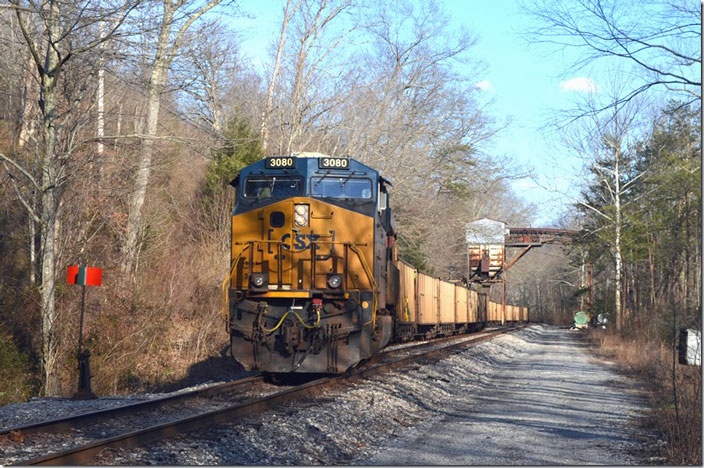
x,y
525,83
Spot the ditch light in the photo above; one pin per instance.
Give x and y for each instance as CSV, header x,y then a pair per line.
x,y
301,215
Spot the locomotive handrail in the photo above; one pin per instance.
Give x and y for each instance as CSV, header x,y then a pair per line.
x,y
314,258
249,245
225,303
358,244
370,277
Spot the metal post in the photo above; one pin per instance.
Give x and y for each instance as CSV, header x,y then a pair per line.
x,y
80,328
582,280
312,264
251,259
280,265
503,300
84,390
469,271
504,267
344,276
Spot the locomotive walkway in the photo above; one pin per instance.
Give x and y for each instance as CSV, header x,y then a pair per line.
x,y
554,405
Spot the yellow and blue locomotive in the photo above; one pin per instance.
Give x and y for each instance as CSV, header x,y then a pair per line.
x,y
312,280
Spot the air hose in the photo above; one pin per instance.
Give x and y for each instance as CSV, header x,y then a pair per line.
x,y
283,317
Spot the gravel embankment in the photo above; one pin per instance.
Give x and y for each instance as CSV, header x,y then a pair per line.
x,y
554,404
533,397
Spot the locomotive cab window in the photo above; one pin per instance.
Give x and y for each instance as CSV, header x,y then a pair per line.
x,y
274,187
341,187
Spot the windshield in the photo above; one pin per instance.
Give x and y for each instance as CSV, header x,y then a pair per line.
x,y
274,187
341,187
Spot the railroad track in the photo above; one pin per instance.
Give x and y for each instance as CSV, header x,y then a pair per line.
x,y
75,421
384,362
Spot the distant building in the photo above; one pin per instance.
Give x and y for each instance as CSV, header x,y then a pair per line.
x,y
485,249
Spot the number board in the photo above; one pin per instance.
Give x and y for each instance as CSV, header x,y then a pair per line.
x,y
280,162
333,163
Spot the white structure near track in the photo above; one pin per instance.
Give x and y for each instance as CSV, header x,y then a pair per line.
x,y
690,347
485,248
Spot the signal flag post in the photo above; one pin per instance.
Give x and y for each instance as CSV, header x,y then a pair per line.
x,y
85,276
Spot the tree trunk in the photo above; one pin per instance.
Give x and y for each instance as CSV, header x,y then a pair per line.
x,y
27,129
47,104
687,258
651,270
288,13
165,49
136,202
157,80
32,244
617,246
101,123
118,130
33,230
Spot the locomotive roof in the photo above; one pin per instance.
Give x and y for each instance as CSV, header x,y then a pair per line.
x,y
308,164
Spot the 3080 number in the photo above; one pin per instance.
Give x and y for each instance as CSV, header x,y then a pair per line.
x,y
279,162
334,163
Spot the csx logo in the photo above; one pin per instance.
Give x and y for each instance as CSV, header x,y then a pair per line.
x,y
299,242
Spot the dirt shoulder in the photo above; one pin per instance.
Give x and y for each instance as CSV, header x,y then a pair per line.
x,y
553,404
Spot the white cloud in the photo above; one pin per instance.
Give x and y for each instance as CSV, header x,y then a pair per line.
x,y
524,184
484,85
580,84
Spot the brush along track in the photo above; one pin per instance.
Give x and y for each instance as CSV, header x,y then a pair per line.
x,y
428,352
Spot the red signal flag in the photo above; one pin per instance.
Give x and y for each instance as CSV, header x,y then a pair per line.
x,y
86,276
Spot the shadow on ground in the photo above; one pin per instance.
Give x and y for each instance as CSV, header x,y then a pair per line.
x,y
213,369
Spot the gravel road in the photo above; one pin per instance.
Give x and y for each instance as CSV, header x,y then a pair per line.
x,y
553,404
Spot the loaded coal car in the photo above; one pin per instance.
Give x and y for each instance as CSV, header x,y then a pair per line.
x,y
315,284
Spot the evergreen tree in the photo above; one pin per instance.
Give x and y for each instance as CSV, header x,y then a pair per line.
x,y
241,147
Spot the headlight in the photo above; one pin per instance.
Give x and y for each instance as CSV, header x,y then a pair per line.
x,y
300,217
334,281
258,280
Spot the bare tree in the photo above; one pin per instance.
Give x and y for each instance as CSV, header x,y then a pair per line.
x,y
175,19
659,39
212,66
289,11
56,34
314,67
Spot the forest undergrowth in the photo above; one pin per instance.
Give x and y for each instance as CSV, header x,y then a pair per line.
x,y
675,404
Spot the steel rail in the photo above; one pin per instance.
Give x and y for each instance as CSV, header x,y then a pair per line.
x,y
84,454
68,422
